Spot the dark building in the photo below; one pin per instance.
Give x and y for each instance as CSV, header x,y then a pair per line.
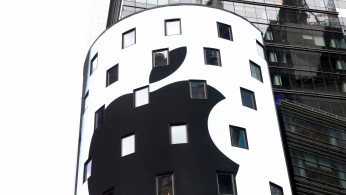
x,y
306,53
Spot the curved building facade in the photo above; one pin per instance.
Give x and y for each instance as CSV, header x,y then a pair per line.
x,y
177,100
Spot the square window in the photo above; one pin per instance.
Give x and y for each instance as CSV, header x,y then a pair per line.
x,y
160,57
87,169
275,189
129,38
164,184
141,96
93,63
276,80
128,145
224,31
255,71
178,134
226,184
260,49
86,101
172,27
99,117
109,192
238,137
248,98
112,75
212,57
198,90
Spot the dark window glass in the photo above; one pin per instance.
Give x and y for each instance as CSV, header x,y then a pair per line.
x,y
112,75
99,117
198,90
164,185
224,31
248,98
212,57
109,192
160,57
275,189
238,137
255,71
226,184
93,63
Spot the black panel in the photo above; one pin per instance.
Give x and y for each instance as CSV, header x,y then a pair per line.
x,y
193,164
176,59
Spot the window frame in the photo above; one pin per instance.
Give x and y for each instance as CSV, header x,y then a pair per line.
x,y
231,128
123,36
229,28
276,186
205,56
234,185
153,56
164,174
252,97
85,172
173,20
108,75
257,66
134,96
205,89
92,69
186,133
96,125
134,144
261,45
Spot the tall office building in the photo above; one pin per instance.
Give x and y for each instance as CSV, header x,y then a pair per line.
x,y
305,49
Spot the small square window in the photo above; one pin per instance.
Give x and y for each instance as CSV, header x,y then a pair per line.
x,y
160,57
99,117
226,184
255,71
164,185
212,57
128,145
112,75
260,49
275,189
276,79
172,27
238,137
248,98
129,38
87,169
224,31
198,90
141,96
109,192
93,63
178,134
86,101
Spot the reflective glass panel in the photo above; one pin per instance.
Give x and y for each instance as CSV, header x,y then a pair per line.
x,y
128,145
178,134
212,57
164,185
129,38
238,137
112,75
224,31
198,90
225,184
141,96
248,98
173,27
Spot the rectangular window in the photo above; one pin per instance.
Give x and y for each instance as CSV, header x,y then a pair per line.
x,y
86,101
172,27
93,63
260,49
112,75
275,189
224,31
226,184
277,80
87,169
255,71
141,96
238,137
99,117
198,90
128,145
160,57
212,57
164,184
178,134
248,98
129,38
109,192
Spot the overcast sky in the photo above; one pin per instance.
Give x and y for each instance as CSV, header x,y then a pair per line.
x,y
43,45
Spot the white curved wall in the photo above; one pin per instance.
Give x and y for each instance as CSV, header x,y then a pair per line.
x,y
264,161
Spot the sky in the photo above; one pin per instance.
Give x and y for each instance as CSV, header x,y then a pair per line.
x,y
43,45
